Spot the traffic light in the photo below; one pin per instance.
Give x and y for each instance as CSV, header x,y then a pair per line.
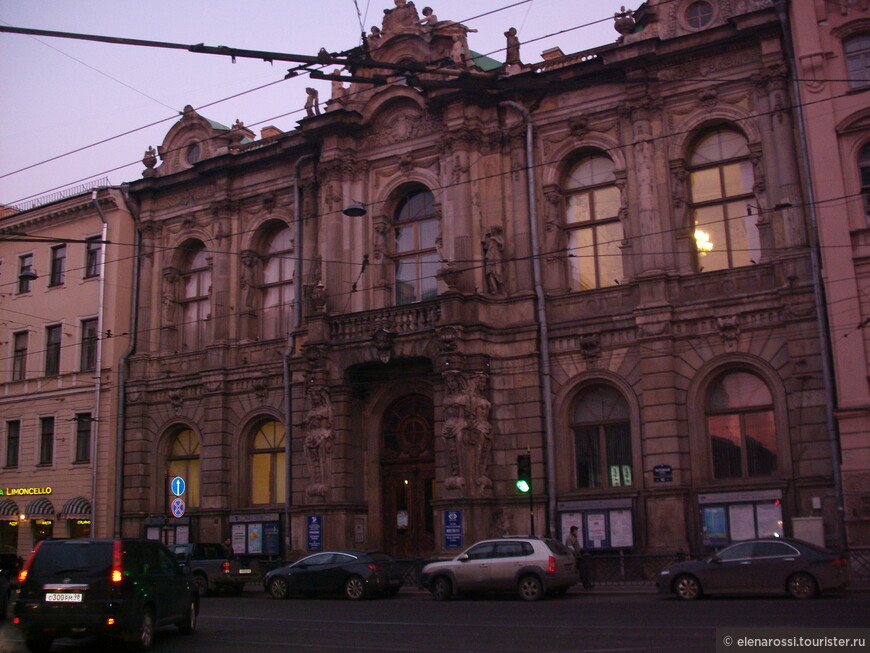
x,y
524,473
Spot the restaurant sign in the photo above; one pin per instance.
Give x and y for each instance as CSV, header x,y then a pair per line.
x,y
23,491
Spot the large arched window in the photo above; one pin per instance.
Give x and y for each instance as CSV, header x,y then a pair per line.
x,y
196,287
857,51
602,438
415,230
726,235
741,427
183,461
277,285
268,469
592,221
864,169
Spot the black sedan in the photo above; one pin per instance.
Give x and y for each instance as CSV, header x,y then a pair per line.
x,y
766,566
355,574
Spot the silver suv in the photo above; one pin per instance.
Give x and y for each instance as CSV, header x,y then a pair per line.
x,y
532,566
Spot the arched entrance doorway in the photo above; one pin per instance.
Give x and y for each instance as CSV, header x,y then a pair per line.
x,y
408,476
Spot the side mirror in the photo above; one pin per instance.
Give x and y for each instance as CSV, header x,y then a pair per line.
x,y
715,560
463,558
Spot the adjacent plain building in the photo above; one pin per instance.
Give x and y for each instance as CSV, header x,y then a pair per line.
x,y
347,333
832,62
65,312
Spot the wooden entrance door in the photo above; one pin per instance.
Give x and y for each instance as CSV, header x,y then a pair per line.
x,y
408,477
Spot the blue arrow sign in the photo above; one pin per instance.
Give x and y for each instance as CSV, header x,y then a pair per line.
x,y
177,486
177,507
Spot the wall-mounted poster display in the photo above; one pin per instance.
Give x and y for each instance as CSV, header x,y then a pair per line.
x,y
728,517
602,525
257,534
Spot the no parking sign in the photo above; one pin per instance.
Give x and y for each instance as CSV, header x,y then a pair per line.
x,y
177,507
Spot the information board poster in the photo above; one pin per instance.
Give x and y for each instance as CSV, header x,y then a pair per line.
x,y
596,530
239,538
255,538
452,529
315,532
742,517
621,533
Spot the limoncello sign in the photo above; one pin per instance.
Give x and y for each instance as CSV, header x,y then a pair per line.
x,y
23,491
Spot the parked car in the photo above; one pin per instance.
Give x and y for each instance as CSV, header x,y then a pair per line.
x,y
533,567
9,563
764,566
213,569
5,593
355,574
122,589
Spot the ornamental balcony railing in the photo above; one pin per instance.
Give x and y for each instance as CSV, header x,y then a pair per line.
x,y
398,320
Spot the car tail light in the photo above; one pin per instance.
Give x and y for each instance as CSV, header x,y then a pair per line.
x,y
22,575
840,562
226,566
375,568
117,562
551,564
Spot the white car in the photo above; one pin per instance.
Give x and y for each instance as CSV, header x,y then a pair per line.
x,y
533,567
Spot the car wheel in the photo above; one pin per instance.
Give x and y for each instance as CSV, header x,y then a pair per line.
x,y
143,638
38,644
278,588
687,587
802,586
201,582
355,588
188,624
442,588
530,588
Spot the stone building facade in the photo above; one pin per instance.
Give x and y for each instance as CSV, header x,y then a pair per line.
x,y
600,259
831,54
64,328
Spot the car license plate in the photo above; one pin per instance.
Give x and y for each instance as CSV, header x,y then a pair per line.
x,y
244,571
64,597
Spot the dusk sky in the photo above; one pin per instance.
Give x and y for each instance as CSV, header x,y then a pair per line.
x,y
61,95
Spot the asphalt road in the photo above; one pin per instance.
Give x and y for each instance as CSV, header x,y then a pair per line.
x,y
415,623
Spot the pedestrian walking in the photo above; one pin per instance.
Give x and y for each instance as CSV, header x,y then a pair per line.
x,y
581,555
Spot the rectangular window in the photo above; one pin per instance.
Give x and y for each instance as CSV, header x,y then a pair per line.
x,y
52,350
25,267
89,345
83,437
93,249
58,265
46,441
13,438
19,356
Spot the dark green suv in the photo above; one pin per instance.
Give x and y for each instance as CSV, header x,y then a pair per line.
x,y
123,589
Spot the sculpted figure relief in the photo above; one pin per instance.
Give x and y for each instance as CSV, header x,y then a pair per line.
x,y
493,263
170,304
319,438
467,431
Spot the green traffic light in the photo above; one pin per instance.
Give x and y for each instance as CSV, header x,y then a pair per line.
x,y
523,486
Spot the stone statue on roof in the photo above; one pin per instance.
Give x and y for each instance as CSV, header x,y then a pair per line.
x,y
404,14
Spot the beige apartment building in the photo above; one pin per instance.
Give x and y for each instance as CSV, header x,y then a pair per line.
x,y
832,61
348,332
65,311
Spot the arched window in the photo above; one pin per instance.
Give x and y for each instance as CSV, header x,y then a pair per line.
x,y
864,168
415,230
268,469
278,262
592,220
726,235
196,287
184,462
602,438
857,51
741,428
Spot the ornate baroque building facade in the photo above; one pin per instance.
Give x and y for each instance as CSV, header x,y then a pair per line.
x,y
601,259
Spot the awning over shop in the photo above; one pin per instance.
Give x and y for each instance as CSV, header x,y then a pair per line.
x,y
8,508
77,508
39,508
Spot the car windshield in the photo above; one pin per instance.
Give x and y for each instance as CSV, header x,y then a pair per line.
x,y
69,557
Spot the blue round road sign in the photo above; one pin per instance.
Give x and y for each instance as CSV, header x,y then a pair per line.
x,y
177,507
177,486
